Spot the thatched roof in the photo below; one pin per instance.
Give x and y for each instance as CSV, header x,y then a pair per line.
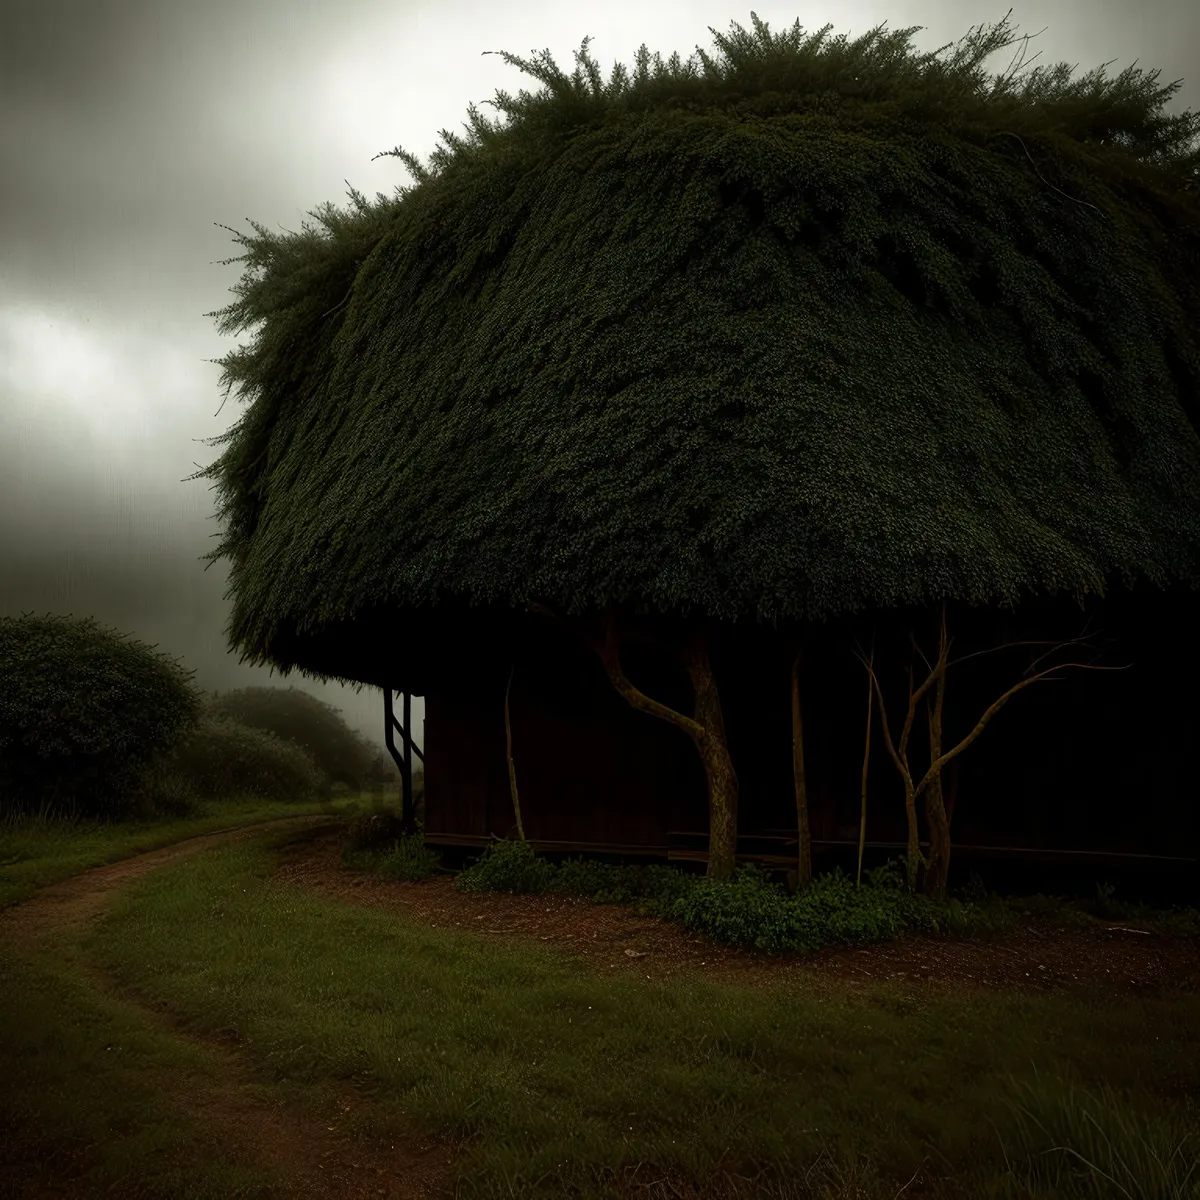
x,y
825,327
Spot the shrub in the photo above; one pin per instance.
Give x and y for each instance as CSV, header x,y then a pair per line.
x,y
410,859
747,910
302,720
751,911
221,758
507,866
651,888
381,835
372,831
165,793
83,714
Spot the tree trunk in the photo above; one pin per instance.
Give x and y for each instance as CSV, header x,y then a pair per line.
x,y
804,833
706,728
937,868
913,860
950,793
862,817
718,766
512,770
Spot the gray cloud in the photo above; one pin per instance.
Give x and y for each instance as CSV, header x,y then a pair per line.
x,y
131,129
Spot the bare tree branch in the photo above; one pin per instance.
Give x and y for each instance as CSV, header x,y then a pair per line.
x,y
937,676
1080,640
913,702
887,735
925,660
608,651
994,708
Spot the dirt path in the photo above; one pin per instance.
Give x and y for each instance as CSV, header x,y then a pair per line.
x,y
308,1153
83,897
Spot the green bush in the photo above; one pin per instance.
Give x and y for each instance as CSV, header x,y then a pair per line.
x,y
222,758
410,859
98,727
747,910
507,866
372,831
83,714
380,835
165,793
510,865
299,719
750,911
651,888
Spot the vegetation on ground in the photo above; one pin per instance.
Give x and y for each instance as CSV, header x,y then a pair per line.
x,y
41,849
131,756
748,910
566,1081
1066,1095
98,727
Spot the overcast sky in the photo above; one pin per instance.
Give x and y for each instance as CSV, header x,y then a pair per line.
x,y
131,129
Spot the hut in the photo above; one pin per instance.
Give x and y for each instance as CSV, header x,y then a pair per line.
x,y
1083,779
794,350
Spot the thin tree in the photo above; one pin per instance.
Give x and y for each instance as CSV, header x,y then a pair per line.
x,y
862,818
803,875
512,770
706,726
937,868
937,865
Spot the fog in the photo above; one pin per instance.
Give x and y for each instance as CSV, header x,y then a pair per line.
x,y
131,130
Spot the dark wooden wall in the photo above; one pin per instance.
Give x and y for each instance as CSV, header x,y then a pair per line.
x,y
1103,760
589,769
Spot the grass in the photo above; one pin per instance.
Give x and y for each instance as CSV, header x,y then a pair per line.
x,y
566,1082
41,849
82,1110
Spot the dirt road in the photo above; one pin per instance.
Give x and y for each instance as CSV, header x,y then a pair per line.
x,y
244,1121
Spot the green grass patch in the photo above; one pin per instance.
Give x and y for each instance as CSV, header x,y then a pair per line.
x,y
564,1080
38,850
80,1112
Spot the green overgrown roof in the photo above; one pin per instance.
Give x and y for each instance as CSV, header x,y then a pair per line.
x,y
824,327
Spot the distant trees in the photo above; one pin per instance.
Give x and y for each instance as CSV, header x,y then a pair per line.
x,y
303,720
94,723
